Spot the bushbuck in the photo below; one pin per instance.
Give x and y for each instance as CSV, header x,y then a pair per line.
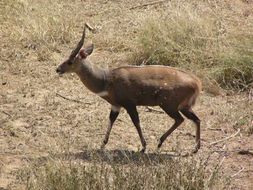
x,y
175,91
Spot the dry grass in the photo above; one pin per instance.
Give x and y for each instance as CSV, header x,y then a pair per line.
x,y
35,36
214,38
29,25
129,171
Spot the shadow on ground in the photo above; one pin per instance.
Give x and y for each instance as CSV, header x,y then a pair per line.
x,y
122,156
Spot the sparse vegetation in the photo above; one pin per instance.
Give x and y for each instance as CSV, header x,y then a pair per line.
x,y
205,37
170,173
31,26
213,39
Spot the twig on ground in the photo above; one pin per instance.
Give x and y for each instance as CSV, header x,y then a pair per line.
x,y
242,152
147,4
214,129
73,100
187,134
221,151
7,113
153,110
237,172
245,152
225,139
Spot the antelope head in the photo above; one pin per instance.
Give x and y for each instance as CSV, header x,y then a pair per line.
x,y
77,57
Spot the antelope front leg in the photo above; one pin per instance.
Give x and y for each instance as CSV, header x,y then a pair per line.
x,y
113,116
131,110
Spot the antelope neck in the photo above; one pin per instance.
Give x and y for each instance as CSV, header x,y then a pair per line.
x,y
93,77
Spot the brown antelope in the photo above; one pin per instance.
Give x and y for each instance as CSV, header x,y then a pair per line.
x,y
175,91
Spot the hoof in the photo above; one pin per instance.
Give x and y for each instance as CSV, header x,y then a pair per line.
x,y
143,150
159,144
195,150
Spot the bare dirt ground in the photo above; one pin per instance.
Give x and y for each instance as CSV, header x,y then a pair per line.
x,y
36,121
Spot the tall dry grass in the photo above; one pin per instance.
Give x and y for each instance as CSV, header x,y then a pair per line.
x,y
40,26
212,38
131,171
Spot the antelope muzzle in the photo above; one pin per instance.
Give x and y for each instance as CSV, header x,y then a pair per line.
x,y
59,70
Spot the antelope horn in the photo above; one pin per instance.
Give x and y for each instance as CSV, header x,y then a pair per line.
x,y
79,45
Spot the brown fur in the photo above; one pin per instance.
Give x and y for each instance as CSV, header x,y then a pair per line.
x,y
152,86
175,91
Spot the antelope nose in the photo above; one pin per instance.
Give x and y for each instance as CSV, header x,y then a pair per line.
x,y
58,70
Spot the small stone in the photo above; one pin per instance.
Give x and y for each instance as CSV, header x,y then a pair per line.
x,y
34,134
12,134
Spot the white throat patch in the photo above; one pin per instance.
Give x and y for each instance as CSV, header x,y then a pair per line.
x,y
103,93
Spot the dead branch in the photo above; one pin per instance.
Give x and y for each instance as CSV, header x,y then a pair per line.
x,y
214,129
147,4
245,152
225,139
237,172
153,110
73,100
242,152
187,134
7,113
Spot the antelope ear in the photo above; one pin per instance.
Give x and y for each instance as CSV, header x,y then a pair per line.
x,y
85,52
